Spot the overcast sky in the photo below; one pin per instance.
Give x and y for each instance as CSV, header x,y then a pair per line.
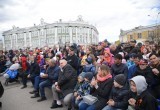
x,y
109,16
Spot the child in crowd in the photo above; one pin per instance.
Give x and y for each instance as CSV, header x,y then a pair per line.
x,y
118,99
82,88
139,97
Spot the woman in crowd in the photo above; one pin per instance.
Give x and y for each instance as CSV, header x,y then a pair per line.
x,y
102,85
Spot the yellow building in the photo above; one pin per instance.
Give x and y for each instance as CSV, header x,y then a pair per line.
x,y
141,33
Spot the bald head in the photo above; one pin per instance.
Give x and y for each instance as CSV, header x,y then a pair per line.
x,y
63,62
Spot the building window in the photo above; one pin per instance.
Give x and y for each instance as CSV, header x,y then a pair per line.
x,y
139,35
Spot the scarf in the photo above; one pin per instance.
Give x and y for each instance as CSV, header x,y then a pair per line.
x,y
101,79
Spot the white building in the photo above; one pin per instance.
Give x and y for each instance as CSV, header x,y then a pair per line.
x,y
45,34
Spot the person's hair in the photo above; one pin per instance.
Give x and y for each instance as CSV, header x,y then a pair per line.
x,y
93,57
90,49
53,61
105,69
153,53
118,56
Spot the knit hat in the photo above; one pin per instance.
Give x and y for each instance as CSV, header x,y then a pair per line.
x,y
88,75
89,60
120,79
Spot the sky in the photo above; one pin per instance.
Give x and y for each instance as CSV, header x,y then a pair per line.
x,y
108,16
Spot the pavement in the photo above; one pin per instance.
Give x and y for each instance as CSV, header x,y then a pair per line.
x,y
15,98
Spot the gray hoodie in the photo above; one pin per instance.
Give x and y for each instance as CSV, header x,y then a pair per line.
x,y
140,82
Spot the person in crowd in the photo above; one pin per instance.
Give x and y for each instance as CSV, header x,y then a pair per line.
x,y
130,61
108,57
12,71
72,59
99,50
63,89
81,89
89,67
133,68
145,70
133,48
113,49
50,76
89,51
33,72
40,78
123,59
118,67
102,85
11,55
145,53
118,99
42,63
155,65
139,97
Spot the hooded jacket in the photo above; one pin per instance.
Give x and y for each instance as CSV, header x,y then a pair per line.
x,y
144,100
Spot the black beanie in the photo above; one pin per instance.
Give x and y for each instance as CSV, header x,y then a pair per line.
x,y
120,79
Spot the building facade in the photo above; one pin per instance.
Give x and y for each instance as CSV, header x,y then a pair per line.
x,y
141,33
45,34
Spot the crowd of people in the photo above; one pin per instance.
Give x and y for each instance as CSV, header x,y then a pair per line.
x,y
94,77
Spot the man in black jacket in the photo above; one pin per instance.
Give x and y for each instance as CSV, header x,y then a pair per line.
x,y
72,59
118,67
63,89
155,65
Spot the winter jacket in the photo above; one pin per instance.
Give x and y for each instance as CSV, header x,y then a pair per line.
x,y
89,68
53,73
144,100
102,93
120,97
34,69
119,69
84,89
131,71
73,61
67,79
147,73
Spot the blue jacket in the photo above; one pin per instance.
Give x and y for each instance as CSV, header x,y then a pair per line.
x,y
131,71
53,73
12,73
89,68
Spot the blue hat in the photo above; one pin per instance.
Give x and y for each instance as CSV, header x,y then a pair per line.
x,y
88,75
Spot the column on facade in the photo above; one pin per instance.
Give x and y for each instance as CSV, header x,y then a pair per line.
x,y
30,38
3,40
70,34
88,37
39,40
92,36
11,41
76,35
56,35
25,40
16,35
45,35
